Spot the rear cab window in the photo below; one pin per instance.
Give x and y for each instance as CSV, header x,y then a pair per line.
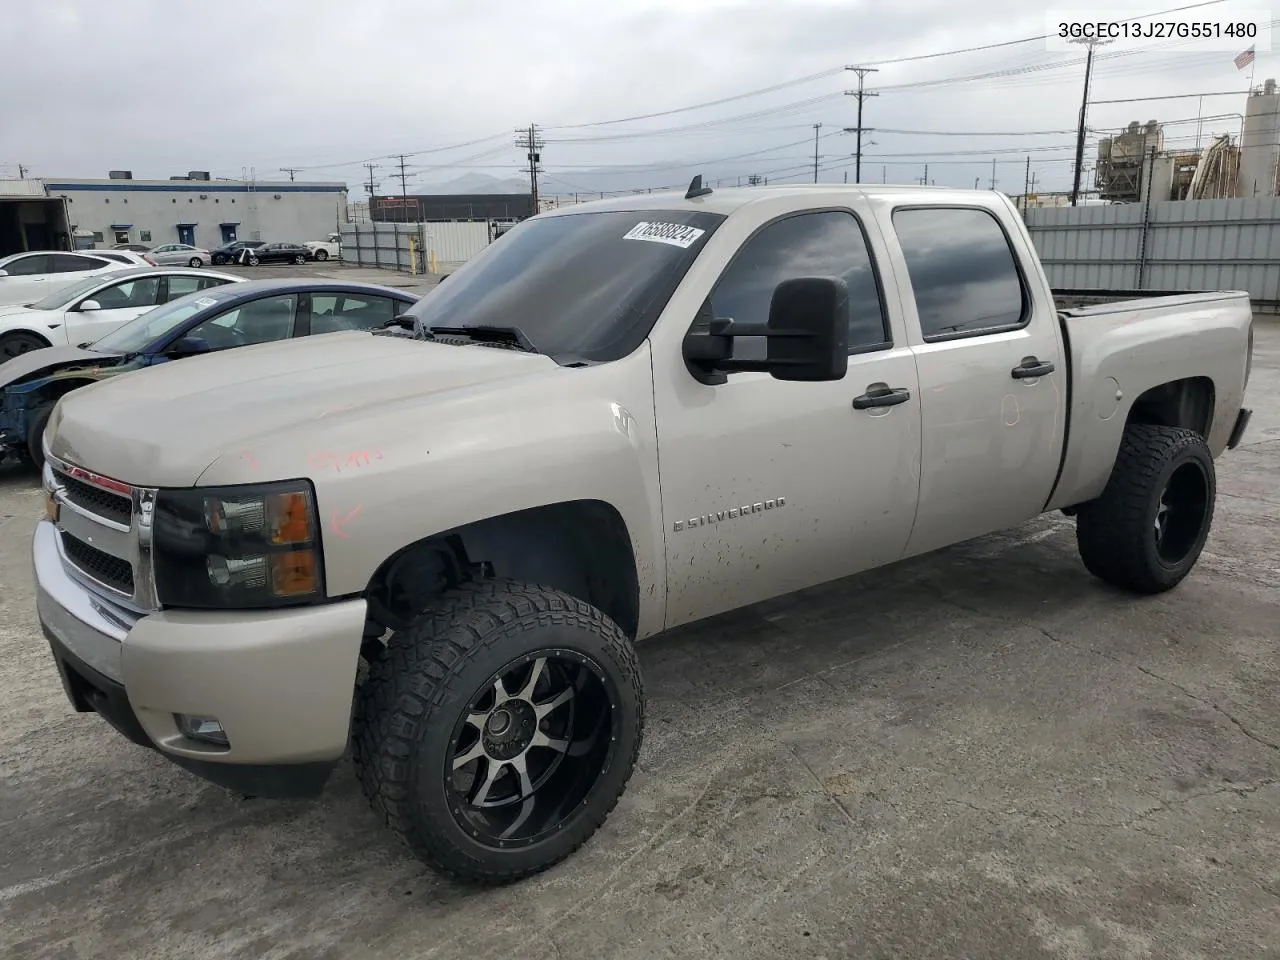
x,y
965,276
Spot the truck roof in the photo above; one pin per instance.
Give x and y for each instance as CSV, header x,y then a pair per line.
x,y
727,200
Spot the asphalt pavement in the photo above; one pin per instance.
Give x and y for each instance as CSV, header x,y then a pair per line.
x,y
980,753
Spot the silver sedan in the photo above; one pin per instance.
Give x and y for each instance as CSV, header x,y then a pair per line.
x,y
179,254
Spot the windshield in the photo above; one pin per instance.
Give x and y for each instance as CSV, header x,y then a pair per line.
x,y
139,333
63,296
585,286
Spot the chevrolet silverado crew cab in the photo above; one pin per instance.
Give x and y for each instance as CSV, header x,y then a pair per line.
x,y
441,546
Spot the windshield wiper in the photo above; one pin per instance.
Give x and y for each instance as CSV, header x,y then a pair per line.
x,y
512,338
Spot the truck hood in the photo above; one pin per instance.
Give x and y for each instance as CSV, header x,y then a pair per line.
x,y
163,426
45,361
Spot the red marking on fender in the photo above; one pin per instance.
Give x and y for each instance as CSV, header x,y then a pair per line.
x,y
247,457
320,459
337,524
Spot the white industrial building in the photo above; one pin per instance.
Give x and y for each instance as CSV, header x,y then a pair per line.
x,y
195,209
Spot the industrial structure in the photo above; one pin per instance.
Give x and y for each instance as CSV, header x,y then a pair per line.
x,y
58,213
1134,164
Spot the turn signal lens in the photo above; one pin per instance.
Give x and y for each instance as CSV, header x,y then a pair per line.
x,y
289,517
294,574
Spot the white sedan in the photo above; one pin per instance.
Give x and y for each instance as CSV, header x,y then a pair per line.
x,y
98,305
26,277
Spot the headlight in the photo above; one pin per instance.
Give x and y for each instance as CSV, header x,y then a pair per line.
x,y
236,547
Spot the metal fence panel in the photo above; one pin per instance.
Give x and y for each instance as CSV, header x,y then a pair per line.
x,y
413,247
1228,244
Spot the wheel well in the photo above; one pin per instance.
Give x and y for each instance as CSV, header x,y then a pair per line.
x,y
1179,403
28,333
581,547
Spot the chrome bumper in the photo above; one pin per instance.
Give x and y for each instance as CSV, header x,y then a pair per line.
x,y
86,625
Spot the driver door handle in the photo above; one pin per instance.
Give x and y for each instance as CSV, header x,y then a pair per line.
x,y
1031,367
881,395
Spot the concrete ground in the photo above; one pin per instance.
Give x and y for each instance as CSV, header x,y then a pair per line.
x,y
983,753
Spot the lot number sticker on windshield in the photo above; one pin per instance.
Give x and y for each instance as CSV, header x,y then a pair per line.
x,y
673,233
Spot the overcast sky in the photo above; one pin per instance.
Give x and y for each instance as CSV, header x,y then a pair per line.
x,y
161,88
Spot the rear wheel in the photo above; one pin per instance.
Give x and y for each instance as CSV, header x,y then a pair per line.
x,y
195,262
254,261
300,259
498,731
1147,529
20,342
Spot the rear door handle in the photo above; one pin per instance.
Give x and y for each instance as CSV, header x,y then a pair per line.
x,y
1031,367
881,395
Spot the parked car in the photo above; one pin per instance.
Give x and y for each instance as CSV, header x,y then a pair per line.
x,y
129,257
135,247
96,306
228,251
180,253
322,250
626,416
27,277
278,253
234,312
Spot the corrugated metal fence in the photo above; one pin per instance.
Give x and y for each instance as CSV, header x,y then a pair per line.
x,y
413,247
1174,246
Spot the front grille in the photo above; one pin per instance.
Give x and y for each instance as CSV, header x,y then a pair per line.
x,y
104,503
103,567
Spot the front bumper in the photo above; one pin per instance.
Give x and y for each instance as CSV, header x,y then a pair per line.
x,y
279,682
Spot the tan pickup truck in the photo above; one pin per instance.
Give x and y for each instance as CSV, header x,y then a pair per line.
x,y
621,417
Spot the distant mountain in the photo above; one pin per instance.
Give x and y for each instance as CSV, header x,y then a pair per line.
x,y
477,183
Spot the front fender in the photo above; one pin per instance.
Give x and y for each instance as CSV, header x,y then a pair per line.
x,y
474,453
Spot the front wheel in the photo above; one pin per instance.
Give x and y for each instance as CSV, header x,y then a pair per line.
x,y
322,255
300,259
498,731
195,262
1147,529
19,342
35,435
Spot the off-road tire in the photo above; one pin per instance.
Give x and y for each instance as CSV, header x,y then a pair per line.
x,y
1115,533
418,688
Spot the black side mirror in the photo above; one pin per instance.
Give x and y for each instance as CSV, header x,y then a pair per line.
x,y
187,347
807,336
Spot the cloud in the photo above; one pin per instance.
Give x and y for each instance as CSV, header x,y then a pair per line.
x,y
165,88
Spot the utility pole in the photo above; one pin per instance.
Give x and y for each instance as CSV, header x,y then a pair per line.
x,y
1026,186
404,192
976,180
290,171
924,181
1084,108
372,186
862,95
22,172
816,128
993,173
529,142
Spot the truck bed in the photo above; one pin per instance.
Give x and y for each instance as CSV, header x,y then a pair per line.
x,y
1119,348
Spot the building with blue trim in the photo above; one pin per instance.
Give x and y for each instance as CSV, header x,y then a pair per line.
x,y
197,209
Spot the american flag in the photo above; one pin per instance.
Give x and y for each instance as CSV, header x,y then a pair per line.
x,y
1244,59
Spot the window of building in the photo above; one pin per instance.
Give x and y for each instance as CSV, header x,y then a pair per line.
x,y
122,236
826,244
963,272
98,237
144,236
